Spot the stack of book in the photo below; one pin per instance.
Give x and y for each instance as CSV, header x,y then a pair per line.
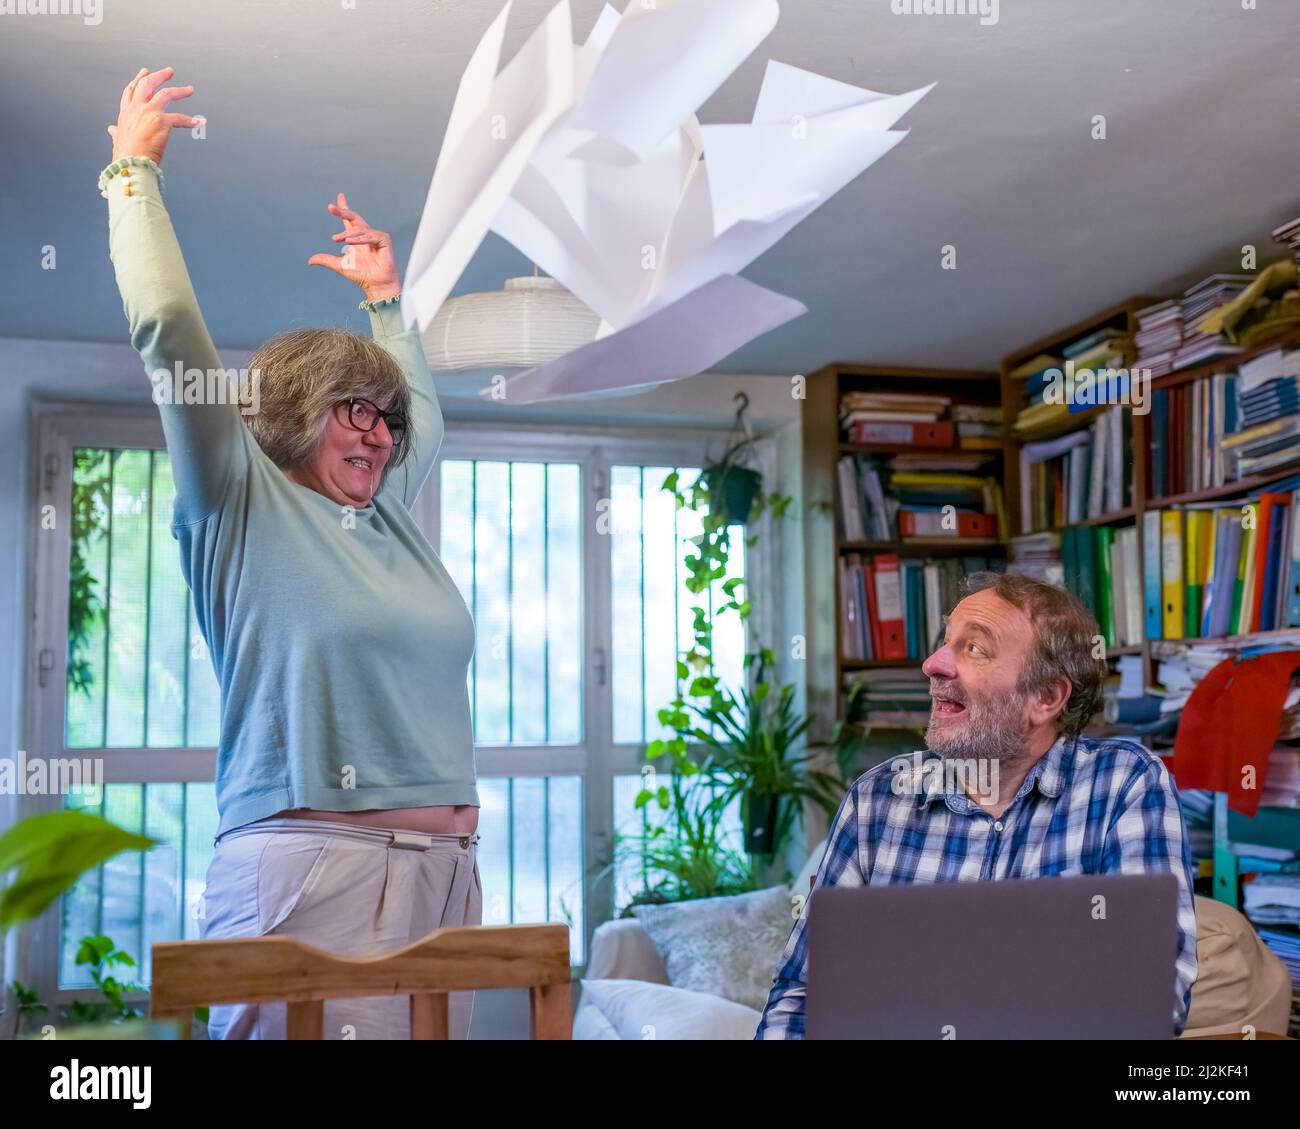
x,y
1289,236
897,698
1208,294
1101,568
1214,570
1274,899
1268,423
978,425
1051,397
901,418
1078,476
917,506
1038,555
892,608
1285,942
1282,778
1159,336
1188,425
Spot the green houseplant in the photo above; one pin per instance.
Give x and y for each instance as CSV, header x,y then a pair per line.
x,y
753,736
733,487
690,854
748,727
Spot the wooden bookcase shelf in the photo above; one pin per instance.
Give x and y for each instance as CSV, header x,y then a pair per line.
x,y
822,447
929,547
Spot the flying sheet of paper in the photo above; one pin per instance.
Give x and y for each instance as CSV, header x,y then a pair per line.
x,y
700,329
590,160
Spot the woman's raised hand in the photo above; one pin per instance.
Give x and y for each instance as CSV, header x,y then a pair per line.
x,y
143,120
367,258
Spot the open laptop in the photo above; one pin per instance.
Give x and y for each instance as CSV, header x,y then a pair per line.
x,y
1039,958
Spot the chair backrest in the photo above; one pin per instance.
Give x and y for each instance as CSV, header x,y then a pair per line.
x,y
190,974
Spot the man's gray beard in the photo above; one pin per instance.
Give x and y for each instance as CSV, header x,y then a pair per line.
x,y
997,732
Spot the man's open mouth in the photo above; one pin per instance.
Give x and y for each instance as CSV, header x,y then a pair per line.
x,y
357,461
947,707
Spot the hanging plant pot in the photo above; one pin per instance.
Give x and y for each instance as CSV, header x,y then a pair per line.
x,y
759,819
733,490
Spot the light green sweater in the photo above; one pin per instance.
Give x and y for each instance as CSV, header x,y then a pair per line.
x,y
340,642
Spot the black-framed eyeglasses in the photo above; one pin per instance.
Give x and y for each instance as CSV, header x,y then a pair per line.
x,y
362,415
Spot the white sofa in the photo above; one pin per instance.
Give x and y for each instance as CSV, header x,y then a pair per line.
x,y
621,950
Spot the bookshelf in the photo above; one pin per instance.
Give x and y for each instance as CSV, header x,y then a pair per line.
x,y
822,446
1121,317
1272,826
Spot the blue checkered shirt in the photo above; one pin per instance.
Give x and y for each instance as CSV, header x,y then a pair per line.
x,y
1086,807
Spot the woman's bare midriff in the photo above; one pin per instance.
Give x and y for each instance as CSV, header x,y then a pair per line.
x,y
461,819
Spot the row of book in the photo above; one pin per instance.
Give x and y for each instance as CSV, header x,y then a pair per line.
x,y
1188,426
1213,570
1051,391
892,608
1206,570
891,500
1101,566
1080,475
893,698
918,420
1218,429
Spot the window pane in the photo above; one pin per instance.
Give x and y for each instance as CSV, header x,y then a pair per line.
x,y
530,852
511,540
650,604
139,674
139,898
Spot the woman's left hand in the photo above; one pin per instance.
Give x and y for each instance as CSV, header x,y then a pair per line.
x,y
368,258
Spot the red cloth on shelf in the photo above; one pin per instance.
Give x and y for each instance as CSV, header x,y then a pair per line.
x,y
1230,721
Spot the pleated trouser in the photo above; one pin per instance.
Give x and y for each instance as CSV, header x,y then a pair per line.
x,y
346,889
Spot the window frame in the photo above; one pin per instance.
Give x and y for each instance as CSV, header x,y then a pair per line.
x,y
59,429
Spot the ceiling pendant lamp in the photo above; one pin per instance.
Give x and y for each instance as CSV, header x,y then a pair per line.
x,y
531,321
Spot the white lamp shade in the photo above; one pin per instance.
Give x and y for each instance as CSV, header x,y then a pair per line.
x,y
532,321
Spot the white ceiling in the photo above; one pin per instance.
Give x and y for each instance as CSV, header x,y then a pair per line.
x,y
307,97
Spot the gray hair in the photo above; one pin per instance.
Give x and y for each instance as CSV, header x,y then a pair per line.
x,y
304,373
1063,642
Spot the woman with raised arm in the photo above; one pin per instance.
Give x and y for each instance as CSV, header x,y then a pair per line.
x,y
345,771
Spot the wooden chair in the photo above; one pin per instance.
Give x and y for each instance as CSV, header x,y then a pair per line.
x,y
190,974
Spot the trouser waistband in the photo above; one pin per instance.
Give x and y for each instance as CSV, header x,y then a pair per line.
x,y
385,836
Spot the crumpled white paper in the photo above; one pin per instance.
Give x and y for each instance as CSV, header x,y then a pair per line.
x,y
590,160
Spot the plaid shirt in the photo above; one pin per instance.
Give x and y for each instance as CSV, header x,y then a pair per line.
x,y
1086,807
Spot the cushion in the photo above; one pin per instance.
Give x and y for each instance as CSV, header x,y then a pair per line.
x,y
728,947
1240,981
589,1022
637,1010
621,950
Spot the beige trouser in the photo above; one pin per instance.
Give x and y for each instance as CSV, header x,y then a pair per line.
x,y
346,889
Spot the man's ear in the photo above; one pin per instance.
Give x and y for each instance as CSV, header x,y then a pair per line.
x,y
1051,700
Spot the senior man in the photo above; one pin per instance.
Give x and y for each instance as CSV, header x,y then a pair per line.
x,y
1014,682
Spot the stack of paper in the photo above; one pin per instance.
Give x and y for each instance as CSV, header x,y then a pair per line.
x,y
1289,236
1038,555
589,158
1273,898
1282,778
1208,294
1159,336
